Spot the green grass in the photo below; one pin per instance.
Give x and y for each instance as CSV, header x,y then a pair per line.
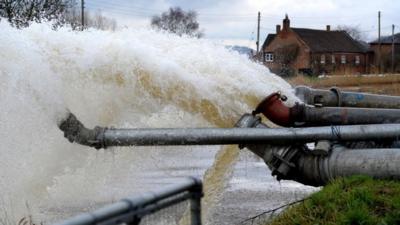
x,y
354,200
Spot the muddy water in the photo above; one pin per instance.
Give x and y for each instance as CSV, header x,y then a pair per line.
x,y
128,78
252,190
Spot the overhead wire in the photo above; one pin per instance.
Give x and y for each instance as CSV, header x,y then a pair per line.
x,y
210,14
134,10
252,34
107,3
122,9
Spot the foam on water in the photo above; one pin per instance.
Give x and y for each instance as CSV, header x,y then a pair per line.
x,y
128,78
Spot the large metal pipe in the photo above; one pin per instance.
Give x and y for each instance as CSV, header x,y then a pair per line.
x,y
296,162
301,165
319,116
305,115
283,149
381,163
337,98
99,137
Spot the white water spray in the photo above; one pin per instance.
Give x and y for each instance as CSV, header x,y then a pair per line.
x,y
129,78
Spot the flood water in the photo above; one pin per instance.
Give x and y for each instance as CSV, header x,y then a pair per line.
x,y
129,78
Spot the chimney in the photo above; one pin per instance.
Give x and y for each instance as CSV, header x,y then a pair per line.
x,y
278,29
286,23
328,27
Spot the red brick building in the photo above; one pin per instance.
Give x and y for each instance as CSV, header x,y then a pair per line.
x,y
386,54
300,50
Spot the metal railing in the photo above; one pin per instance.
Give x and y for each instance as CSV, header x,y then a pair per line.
x,y
131,210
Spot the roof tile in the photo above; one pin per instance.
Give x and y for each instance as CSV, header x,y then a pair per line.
x,y
329,41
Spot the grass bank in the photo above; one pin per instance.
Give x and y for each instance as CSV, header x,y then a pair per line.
x,y
353,200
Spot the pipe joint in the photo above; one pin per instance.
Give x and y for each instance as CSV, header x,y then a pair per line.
x,y
338,93
282,161
275,110
335,97
75,131
99,141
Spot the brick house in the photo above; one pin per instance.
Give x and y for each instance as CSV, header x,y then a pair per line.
x,y
386,53
311,51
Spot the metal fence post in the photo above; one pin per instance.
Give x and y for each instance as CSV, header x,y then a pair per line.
x,y
195,202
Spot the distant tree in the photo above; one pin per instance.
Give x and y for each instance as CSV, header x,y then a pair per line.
x,y
96,20
284,57
353,31
287,54
178,21
2,6
20,13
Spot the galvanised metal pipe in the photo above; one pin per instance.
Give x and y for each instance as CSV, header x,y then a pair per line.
x,y
318,170
136,203
296,162
319,116
342,162
336,98
195,204
104,137
305,115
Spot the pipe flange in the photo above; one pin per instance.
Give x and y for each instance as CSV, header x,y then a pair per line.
x,y
338,94
248,120
99,142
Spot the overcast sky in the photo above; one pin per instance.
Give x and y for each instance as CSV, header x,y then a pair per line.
x,y
235,21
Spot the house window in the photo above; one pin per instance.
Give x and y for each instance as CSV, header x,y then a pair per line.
x,y
269,57
343,59
357,59
333,59
322,59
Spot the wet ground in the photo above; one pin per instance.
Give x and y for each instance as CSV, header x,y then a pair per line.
x,y
252,191
247,191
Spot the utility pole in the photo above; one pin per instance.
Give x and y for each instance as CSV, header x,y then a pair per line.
x,y
258,32
392,48
379,43
83,13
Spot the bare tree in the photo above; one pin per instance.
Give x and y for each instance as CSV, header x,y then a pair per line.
x,y
178,21
21,13
354,31
96,20
101,22
285,56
